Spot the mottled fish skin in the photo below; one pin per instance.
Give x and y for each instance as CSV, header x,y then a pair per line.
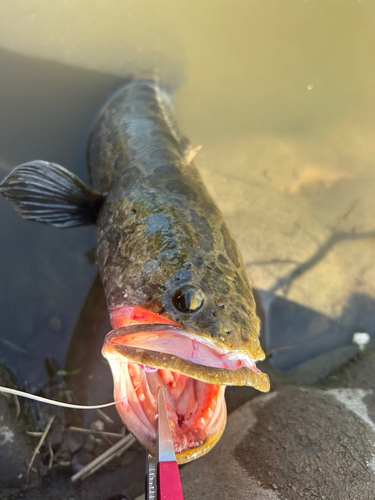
x,y
159,229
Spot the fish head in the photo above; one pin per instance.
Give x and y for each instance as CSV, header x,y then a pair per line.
x,y
217,303
194,340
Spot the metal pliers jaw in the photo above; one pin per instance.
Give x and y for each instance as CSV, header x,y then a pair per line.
x,y
163,480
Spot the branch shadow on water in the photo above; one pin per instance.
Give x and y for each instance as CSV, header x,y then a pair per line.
x,y
286,282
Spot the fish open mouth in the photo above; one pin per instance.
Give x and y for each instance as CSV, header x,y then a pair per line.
x,y
148,351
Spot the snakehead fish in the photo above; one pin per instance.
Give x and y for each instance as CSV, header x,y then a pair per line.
x,y
180,303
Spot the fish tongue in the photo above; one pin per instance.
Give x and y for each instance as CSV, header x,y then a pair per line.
x,y
187,404
174,382
180,391
166,377
177,387
157,379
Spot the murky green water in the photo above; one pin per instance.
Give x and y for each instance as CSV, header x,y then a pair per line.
x,y
281,97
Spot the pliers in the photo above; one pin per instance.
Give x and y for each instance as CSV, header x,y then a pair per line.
x,y
163,480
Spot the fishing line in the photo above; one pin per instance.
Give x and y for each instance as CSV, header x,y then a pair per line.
x,y
15,392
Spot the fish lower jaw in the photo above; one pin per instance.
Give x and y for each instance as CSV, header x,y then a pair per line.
x,y
196,410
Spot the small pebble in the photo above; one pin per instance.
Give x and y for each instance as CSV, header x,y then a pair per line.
x,y
361,339
98,425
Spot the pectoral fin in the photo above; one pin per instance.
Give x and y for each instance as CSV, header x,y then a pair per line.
x,y
46,192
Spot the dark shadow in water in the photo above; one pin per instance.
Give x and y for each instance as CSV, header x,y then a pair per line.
x,y
359,314
294,334
47,110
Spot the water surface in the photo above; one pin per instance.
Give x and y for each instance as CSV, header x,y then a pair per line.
x,y
281,97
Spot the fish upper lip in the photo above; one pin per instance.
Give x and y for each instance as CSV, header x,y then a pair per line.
x,y
196,356
161,328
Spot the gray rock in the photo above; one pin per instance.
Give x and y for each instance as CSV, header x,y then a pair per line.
x,y
313,370
291,444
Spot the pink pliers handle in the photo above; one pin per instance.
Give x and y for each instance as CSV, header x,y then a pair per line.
x,y
168,477
169,481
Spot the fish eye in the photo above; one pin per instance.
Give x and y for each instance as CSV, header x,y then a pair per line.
x,y
188,299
